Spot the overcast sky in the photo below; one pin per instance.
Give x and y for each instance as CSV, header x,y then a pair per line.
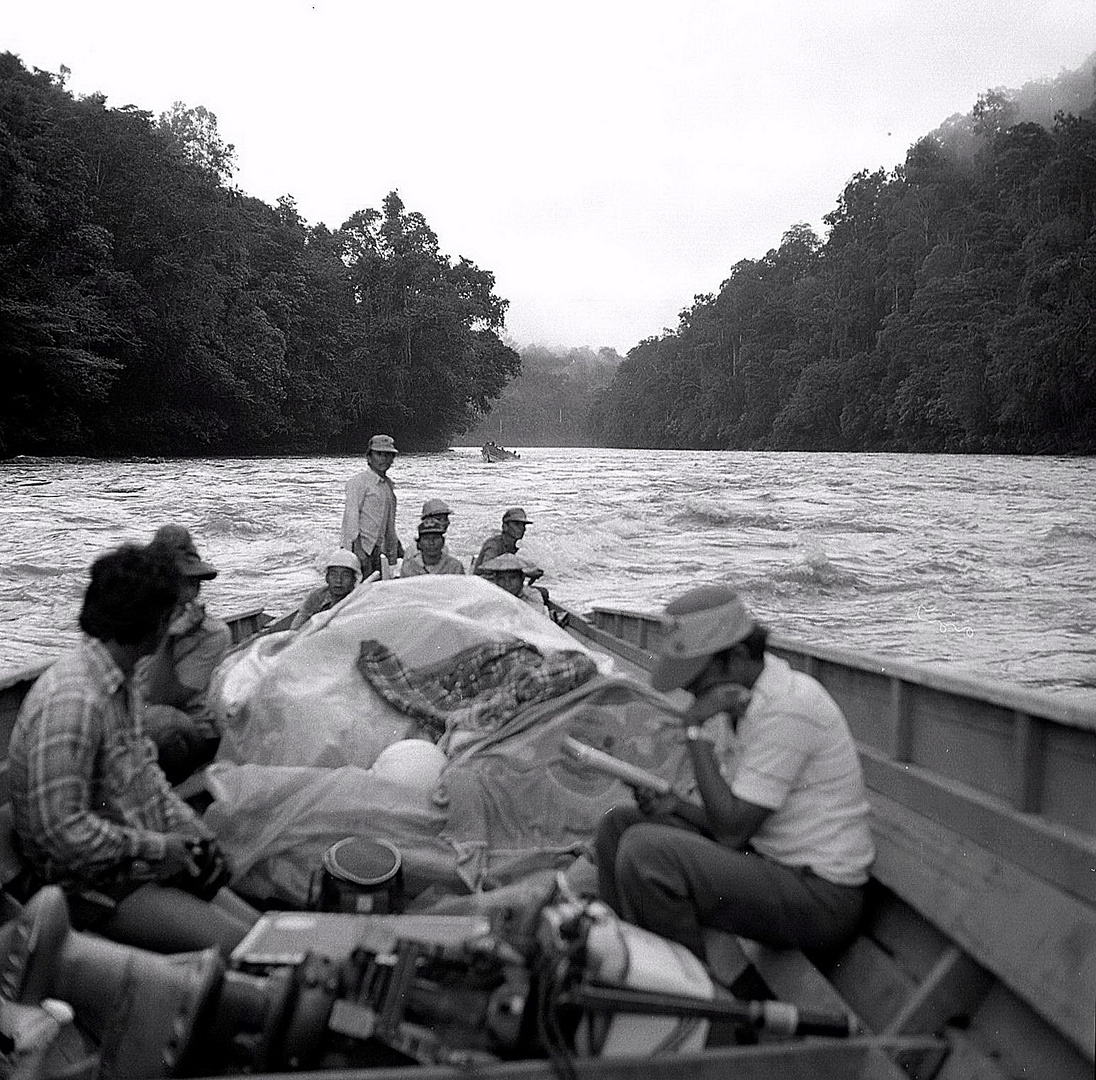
x,y
606,160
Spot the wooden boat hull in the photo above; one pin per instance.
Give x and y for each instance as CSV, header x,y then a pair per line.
x,y
977,957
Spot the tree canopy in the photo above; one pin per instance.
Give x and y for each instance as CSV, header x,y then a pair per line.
x,y
950,307
147,306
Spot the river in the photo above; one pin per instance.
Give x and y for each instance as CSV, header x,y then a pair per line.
x,y
980,565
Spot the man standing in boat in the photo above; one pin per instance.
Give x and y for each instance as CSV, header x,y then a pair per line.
x,y
93,812
514,522
778,847
369,517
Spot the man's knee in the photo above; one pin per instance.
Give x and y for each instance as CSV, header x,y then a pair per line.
x,y
613,825
646,850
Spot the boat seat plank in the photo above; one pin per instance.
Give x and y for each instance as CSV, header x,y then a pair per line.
x,y
792,977
872,982
1039,940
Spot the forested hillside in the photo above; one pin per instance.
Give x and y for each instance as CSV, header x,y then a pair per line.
x,y
147,306
548,404
950,308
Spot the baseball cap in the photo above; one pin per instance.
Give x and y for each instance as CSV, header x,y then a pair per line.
x,y
516,513
178,541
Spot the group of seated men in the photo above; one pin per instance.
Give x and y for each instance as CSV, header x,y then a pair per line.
x,y
497,561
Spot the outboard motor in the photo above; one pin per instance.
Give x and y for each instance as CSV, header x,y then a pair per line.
x,y
140,1008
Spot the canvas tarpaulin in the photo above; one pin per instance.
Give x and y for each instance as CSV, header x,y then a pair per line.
x,y
303,727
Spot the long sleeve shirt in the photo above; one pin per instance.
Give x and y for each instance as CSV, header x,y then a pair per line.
x,y
316,601
500,544
87,795
192,658
413,565
369,515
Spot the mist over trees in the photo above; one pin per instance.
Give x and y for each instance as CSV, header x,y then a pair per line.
x,y
950,307
548,404
147,306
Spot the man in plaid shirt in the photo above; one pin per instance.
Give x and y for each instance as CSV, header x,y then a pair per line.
x,y
93,811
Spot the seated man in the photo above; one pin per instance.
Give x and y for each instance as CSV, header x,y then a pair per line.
x,y
431,558
92,810
509,573
174,681
778,848
514,522
342,571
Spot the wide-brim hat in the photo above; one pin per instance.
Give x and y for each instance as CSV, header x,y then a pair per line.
x,y
383,444
695,626
432,525
516,513
188,562
500,564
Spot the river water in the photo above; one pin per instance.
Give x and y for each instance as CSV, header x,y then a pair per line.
x,y
980,565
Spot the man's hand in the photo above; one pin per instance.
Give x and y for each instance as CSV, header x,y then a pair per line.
x,y
186,617
179,856
652,805
728,698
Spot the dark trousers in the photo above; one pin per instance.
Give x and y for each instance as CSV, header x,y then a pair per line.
x,y
667,877
370,560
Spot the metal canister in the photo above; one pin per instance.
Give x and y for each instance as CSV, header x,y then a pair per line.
x,y
362,876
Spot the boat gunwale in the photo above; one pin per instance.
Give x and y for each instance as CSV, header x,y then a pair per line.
x,y
1035,703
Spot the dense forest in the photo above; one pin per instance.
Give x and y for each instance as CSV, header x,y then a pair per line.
x,y
147,306
950,308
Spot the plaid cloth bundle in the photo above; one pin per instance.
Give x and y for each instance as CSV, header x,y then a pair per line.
x,y
478,688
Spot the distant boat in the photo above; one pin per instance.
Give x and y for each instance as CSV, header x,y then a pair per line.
x,y
491,451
